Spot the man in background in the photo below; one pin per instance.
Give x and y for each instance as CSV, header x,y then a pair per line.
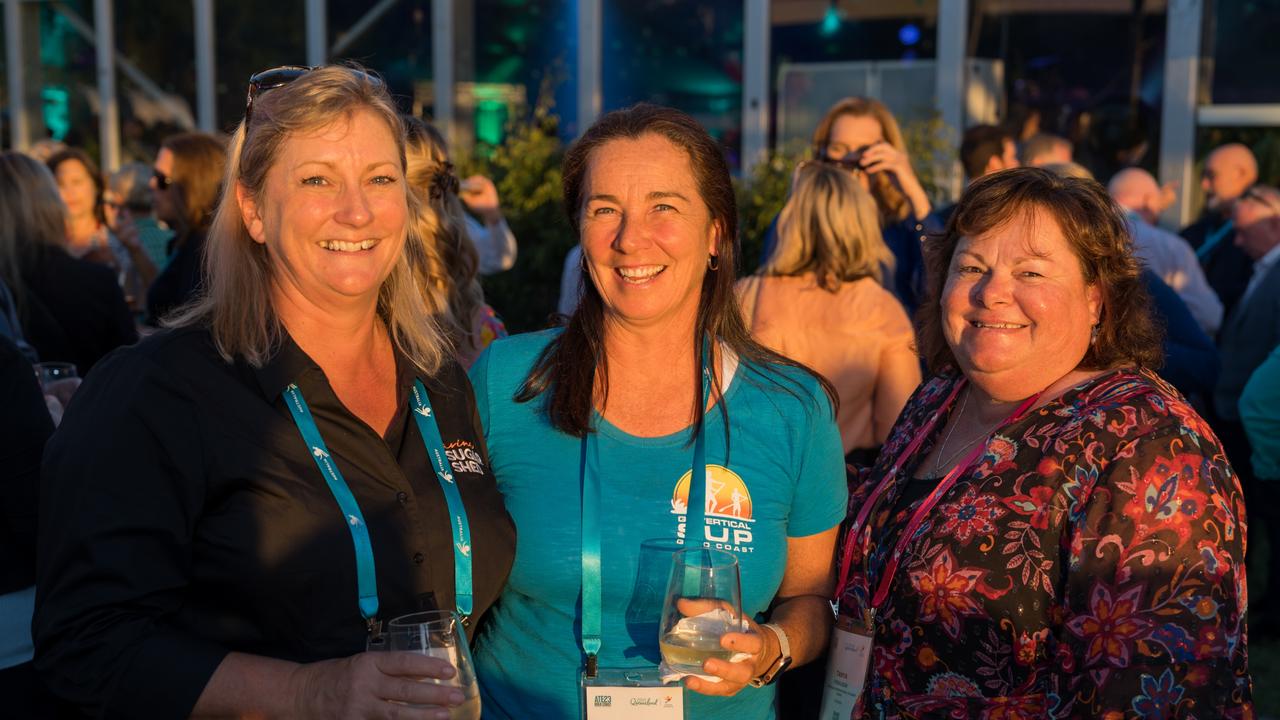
x,y
1046,149
1168,255
1228,172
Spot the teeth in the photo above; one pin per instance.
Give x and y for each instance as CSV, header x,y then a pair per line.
x,y
997,326
641,273
343,246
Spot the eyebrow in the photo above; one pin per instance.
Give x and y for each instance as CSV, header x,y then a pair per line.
x,y
655,195
330,164
1017,259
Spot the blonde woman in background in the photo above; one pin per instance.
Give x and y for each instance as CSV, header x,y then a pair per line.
x,y
452,261
819,300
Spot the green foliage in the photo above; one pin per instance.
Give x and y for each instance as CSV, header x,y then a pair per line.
x,y
931,145
526,170
761,195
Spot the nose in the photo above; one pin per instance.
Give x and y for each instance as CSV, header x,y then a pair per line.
x,y
631,236
993,289
353,207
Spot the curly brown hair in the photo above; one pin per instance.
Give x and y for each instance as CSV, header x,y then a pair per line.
x,y
1097,232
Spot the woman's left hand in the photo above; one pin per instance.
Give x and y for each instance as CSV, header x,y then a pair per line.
x,y
734,675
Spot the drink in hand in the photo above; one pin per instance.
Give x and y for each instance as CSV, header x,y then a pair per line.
x,y
686,651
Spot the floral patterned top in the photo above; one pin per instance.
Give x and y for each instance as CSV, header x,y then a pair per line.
x,y
1089,564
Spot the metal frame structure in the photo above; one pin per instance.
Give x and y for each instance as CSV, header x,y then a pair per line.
x,y
1182,113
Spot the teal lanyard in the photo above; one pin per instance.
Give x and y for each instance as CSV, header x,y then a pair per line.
x,y
592,603
1212,241
366,576
461,530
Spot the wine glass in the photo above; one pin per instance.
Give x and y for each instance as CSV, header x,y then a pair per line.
x,y
703,602
437,633
49,372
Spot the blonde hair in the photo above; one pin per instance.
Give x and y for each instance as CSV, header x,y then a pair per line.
x,y
452,261
893,205
236,304
829,227
32,217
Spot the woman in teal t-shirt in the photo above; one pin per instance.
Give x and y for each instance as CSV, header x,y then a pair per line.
x,y
620,391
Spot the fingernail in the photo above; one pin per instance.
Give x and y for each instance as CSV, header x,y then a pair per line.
x,y
441,715
448,672
456,697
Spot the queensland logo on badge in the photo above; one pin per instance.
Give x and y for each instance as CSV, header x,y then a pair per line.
x,y
728,510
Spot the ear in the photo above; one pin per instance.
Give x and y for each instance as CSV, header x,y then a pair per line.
x,y
1093,296
994,164
717,232
250,214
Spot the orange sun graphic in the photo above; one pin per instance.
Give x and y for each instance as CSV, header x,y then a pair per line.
x,y
727,495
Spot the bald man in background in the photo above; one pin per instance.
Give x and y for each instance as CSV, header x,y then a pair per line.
x,y
1168,255
1228,172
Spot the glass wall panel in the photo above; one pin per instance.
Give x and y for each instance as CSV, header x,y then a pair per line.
x,y
822,52
250,36
1243,59
682,53
1094,77
395,43
512,56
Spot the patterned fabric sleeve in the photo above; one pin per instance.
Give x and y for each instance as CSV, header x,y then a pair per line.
x,y
1155,600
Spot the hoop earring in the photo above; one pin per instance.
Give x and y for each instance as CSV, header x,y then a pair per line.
x,y
713,262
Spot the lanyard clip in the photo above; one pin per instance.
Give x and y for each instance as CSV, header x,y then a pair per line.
x,y
592,666
375,630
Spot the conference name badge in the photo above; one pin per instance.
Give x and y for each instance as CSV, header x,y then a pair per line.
x,y
631,694
847,669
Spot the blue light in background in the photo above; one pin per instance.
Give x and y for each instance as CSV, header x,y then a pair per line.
x,y
830,22
909,34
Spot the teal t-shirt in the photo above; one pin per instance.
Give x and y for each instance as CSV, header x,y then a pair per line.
x,y
783,476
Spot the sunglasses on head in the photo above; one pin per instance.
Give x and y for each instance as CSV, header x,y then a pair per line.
x,y
261,82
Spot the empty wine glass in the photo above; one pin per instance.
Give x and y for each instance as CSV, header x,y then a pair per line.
x,y
703,602
438,633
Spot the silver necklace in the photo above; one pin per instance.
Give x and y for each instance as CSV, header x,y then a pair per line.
x,y
938,463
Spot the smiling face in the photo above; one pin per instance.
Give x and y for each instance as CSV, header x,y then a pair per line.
x,y
1016,311
646,232
332,213
76,186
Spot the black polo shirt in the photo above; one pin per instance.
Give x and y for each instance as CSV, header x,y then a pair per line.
x,y
182,517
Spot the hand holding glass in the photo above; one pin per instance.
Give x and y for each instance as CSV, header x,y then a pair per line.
x,y
703,602
438,634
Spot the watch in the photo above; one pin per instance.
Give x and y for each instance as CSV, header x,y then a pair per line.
x,y
782,663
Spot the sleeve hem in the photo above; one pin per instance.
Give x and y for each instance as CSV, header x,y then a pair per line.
x,y
164,678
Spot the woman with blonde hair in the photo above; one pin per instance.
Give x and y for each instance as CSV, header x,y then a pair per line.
x,y
247,495
452,267
860,136
819,300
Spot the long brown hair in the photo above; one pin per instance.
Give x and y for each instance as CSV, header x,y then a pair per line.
x,y
566,370
452,262
893,205
199,162
1095,229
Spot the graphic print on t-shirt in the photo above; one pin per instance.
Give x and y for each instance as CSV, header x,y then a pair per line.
x,y
463,457
728,510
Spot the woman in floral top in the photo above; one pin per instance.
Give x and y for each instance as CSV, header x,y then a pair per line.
x,y
1051,531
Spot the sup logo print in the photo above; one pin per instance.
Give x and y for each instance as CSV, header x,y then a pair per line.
x,y
729,510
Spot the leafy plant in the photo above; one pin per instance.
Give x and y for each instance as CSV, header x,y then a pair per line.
x,y
526,170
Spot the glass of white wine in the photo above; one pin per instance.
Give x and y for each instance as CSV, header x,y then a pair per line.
x,y
438,633
703,602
